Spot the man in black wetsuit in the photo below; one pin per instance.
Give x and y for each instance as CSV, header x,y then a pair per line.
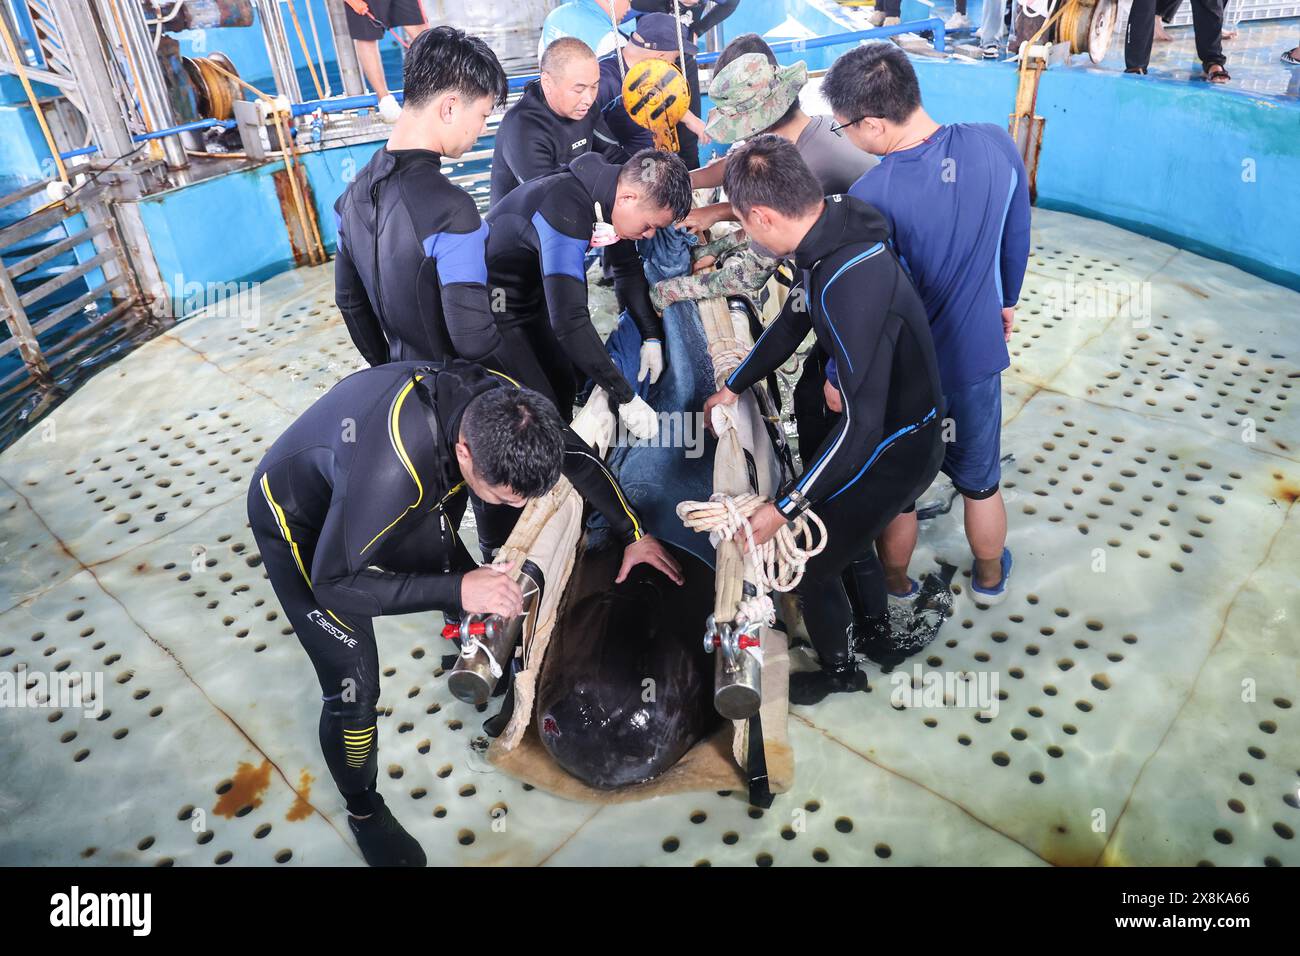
x,y
887,447
408,274
553,122
536,250
354,509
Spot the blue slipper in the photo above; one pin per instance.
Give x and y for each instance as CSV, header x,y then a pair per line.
x,y
905,600
987,597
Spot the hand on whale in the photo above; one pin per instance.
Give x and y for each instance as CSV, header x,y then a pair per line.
x,y
649,551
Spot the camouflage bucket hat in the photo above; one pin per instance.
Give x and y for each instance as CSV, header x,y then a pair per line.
x,y
750,95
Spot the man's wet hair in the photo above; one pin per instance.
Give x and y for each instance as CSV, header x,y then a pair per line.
x,y
663,178
445,59
562,52
874,80
753,43
768,171
516,439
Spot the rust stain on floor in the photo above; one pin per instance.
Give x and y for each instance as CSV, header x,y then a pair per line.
x,y
301,808
246,789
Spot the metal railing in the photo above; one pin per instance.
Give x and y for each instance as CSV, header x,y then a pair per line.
x,y
31,276
340,104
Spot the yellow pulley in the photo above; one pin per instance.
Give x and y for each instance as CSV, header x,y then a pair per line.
x,y
215,91
656,96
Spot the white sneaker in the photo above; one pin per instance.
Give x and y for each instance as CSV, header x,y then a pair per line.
x,y
958,21
389,109
876,18
991,51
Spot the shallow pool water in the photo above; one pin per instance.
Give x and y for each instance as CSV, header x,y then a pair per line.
x,y
1146,662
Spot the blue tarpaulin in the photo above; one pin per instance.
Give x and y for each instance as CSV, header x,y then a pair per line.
x,y
678,466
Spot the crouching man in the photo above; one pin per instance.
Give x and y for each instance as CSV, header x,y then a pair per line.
x,y
355,508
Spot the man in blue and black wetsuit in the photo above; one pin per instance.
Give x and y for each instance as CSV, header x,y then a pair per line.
x,y
408,275
355,510
854,296
536,250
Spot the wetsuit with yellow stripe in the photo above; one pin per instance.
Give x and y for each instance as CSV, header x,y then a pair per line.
x,y
355,511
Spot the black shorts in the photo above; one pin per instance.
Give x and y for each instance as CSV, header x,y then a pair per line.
x,y
389,13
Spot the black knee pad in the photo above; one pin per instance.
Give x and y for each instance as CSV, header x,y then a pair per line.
x,y
979,495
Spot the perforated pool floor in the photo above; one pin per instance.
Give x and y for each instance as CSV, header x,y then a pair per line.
x,y
1146,659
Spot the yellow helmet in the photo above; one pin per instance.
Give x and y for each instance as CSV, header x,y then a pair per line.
x,y
656,96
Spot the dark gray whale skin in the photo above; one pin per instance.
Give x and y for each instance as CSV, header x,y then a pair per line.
x,y
609,641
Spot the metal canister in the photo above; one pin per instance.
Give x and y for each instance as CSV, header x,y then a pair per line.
x,y
738,670
488,643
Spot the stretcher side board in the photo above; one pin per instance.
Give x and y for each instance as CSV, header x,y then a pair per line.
x,y
728,333
547,534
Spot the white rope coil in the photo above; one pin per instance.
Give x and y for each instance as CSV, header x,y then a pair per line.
x,y
775,565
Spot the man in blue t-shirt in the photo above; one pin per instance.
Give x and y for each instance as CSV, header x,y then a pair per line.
x,y
591,21
957,201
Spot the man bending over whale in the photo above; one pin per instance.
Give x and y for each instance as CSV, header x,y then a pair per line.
x,y
886,448
354,509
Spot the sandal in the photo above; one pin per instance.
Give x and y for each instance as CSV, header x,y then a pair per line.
x,y
1216,73
1137,70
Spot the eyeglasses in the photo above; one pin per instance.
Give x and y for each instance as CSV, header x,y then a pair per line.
x,y
838,128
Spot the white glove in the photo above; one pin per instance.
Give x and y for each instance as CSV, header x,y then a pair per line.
x,y
389,109
639,418
652,360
